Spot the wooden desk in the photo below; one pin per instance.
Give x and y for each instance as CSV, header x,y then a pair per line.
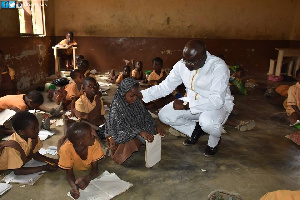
x,y
286,52
57,69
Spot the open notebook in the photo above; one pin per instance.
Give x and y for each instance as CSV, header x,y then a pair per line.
x,y
29,179
107,186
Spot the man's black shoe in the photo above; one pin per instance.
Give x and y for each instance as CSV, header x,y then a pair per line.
x,y
195,135
210,151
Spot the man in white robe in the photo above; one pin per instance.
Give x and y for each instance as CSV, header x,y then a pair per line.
x,y
208,102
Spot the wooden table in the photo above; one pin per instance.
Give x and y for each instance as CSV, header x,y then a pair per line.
x,y
57,69
286,52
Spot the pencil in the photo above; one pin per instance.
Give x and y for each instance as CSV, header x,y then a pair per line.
x,y
49,163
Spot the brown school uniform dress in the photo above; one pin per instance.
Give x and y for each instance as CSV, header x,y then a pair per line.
x,y
90,111
11,158
120,78
66,95
9,101
154,76
68,51
6,82
293,98
69,159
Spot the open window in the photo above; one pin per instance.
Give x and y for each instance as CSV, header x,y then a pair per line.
x,y
32,17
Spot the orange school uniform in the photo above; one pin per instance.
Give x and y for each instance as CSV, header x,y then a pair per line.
x,y
11,159
293,98
154,76
69,159
90,111
9,101
120,78
72,91
137,75
67,51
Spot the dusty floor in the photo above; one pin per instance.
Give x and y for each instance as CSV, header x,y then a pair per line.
x,y
249,163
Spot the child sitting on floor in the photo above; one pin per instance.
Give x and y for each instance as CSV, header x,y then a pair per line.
x,y
155,78
78,58
89,107
71,92
138,73
293,102
128,123
7,78
84,66
25,146
158,74
69,42
126,73
80,151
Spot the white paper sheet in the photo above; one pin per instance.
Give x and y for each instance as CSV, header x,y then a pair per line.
x,y
6,115
107,186
44,134
153,151
4,187
59,122
29,179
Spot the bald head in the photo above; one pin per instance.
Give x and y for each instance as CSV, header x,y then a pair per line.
x,y
194,54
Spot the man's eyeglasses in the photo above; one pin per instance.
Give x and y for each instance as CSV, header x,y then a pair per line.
x,y
192,63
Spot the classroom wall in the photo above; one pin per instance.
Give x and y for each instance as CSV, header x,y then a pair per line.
x,y
214,19
246,32
30,57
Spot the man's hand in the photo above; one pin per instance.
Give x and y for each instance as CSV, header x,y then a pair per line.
x,y
178,105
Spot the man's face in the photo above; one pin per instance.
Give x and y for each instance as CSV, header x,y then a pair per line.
x,y
193,59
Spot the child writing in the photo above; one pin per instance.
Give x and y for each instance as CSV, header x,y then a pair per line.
x,y
71,92
128,123
23,102
158,74
7,78
126,73
69,42
80,151
137,73
89,107
26,136
293,102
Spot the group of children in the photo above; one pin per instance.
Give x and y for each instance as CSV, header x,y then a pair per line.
x,y
127,127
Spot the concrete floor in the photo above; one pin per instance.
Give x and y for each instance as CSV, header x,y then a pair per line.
x,y
249,163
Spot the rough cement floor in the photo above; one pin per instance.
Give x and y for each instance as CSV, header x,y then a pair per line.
x,y
249,163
